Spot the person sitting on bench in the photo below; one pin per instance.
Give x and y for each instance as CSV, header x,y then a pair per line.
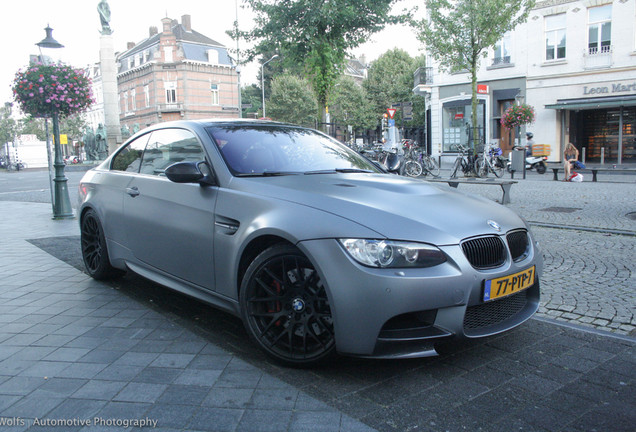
x,y
570,155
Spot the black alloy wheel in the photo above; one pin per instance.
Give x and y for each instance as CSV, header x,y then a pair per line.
x,y
94,250
285,307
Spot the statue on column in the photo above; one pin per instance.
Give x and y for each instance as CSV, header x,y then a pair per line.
x,y
90,146
101,143
104,16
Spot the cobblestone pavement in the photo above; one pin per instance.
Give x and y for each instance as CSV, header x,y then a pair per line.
x,y
587,232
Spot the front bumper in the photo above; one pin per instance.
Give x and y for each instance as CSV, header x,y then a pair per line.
x,y
402,313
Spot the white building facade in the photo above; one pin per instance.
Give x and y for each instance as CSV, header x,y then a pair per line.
x,y
574,61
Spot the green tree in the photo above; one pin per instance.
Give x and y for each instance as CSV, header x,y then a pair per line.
x,y
251,95
349,104
8,126
292,101
317,34
30,125
458,33
390,79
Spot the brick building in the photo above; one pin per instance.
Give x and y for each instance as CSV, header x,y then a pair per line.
x,y
175,74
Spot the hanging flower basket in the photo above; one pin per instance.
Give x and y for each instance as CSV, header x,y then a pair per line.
x,y
517,115
41,90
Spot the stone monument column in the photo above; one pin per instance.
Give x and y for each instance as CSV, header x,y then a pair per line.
x,y
108,68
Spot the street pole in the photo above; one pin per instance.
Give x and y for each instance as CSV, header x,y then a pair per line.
x,y
263,79
61,203
62,208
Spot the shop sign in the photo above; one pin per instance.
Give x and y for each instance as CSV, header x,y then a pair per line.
x,y
482,88
459,116
614,88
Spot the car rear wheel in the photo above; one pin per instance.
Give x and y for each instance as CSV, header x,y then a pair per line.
x,y
285,308
94,250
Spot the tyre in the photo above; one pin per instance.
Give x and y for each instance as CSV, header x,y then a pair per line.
x,y
285,308
541,168
413,168
94,249
481,168
456,165
497,168
431,166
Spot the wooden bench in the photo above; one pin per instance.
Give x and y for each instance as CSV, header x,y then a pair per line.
x,y
594,171
505,184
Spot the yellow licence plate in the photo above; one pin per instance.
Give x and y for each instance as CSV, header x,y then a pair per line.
x,y
504,286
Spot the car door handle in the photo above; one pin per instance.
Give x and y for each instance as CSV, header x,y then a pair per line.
x,y
132,191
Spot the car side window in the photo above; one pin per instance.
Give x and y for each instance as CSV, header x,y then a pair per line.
x,y
129,158
168,146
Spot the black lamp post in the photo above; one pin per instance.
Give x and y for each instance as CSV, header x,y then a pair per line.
x,y
61,203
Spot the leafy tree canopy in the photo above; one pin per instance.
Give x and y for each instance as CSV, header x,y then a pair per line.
x,y
350,105
292,101
390,79
317,33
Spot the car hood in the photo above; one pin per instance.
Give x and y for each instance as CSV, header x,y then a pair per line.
x,y
395,207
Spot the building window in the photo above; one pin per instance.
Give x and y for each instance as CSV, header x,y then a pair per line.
x,y
457,120
125,102
214,88
555,37
147,95
502,51
599,29
133,99
171,92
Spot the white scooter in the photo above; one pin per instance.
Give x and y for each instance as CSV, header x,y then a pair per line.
x,y
532,162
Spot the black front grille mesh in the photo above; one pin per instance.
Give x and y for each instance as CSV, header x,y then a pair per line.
x,y
494,312
485,252
519,244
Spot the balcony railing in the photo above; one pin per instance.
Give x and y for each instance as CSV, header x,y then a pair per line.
x,y
423,76
170,107
596,57
501,61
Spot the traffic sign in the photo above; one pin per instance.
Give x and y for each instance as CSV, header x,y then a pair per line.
x,y
391,112
391,122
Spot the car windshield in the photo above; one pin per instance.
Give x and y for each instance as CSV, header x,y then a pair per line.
x,y
280,150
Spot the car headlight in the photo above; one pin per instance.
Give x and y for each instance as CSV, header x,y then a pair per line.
x,y
393,254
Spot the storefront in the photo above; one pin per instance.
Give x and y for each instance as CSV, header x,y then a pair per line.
x,y
454,105
602,128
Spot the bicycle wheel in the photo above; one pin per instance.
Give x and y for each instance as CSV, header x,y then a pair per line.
x,y
413,168
481,167
496,167
456,166
431,166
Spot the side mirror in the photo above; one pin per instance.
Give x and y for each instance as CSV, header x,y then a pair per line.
x,y
187,172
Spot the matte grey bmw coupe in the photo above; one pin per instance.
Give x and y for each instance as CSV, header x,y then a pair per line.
x,y
315,247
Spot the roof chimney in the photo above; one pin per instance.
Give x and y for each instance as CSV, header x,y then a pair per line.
x,y
152,31
186,22
130,45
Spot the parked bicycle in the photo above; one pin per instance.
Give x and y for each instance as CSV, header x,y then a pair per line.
x,y
490,160
418,162
465,160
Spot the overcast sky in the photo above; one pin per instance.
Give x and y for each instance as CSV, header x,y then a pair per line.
x,y
76,25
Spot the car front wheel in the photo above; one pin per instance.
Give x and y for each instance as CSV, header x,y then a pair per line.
x,y
285,308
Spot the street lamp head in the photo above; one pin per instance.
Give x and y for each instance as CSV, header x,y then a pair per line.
x,y
48,41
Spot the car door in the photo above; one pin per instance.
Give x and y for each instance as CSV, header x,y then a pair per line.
x,y
170,226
